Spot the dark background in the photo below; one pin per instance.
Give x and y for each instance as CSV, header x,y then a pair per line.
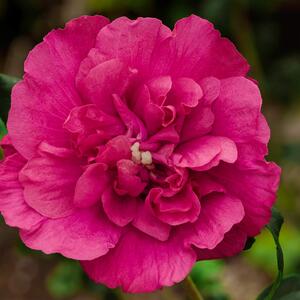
x,y
267,32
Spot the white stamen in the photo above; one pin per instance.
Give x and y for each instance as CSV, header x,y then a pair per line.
x,y
135,152
139,156
146,158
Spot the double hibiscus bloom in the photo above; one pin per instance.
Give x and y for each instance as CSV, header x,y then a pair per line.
x,y
136,150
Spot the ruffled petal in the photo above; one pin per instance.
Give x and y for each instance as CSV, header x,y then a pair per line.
x,y
185,94
178,209
85,235
159,88
132,41
237,111
197,50
43,100
147,222
256,187
116,149
205,152
121,210
128,179
140,263
49,184
135,126
233,243
218,215
12,203
104,80
91,185
198,123
211,89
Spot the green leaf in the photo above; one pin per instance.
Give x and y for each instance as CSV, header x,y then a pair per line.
x,y
274,227
6,85
3,130
66,280
289,289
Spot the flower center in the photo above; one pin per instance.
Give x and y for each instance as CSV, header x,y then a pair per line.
x,y
143,157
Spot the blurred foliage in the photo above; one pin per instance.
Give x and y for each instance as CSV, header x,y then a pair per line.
x,y
6,84
206,276
65,280
274,227
267,33
289,289
263,254
3,130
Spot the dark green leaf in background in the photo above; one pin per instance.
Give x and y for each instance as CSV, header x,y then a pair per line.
x,y
2,134
274,227
2,129
65,280
6,85
289,289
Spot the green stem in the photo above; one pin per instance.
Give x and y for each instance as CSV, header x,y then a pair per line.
x,y
191,289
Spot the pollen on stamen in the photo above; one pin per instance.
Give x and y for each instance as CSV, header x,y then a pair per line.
x,y
135,152
146,158
139,156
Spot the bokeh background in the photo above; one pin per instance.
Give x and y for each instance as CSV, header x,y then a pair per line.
x,y
267,32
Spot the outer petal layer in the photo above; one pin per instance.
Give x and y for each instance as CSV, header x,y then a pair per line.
x,y
85,235
49,185
132,42
197,50
140,263
12,203
43,100
256,187
233,243
218,215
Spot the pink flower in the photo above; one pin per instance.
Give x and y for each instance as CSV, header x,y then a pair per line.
x,y
137,150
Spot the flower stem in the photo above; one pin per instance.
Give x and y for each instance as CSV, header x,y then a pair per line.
x,y
191,289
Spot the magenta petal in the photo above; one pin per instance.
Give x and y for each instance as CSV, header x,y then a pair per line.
x,y
134,125
203,184
12,203
237,111
87,118
205,152
256,186
128,178
43,100
91,185
185,93
233,243
178,209
93,59
84,235
159,88
140,263
146,222
211,89
104,80
198,123
218,214
116,149
49,184
197,50
132,41
166,135
121,210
